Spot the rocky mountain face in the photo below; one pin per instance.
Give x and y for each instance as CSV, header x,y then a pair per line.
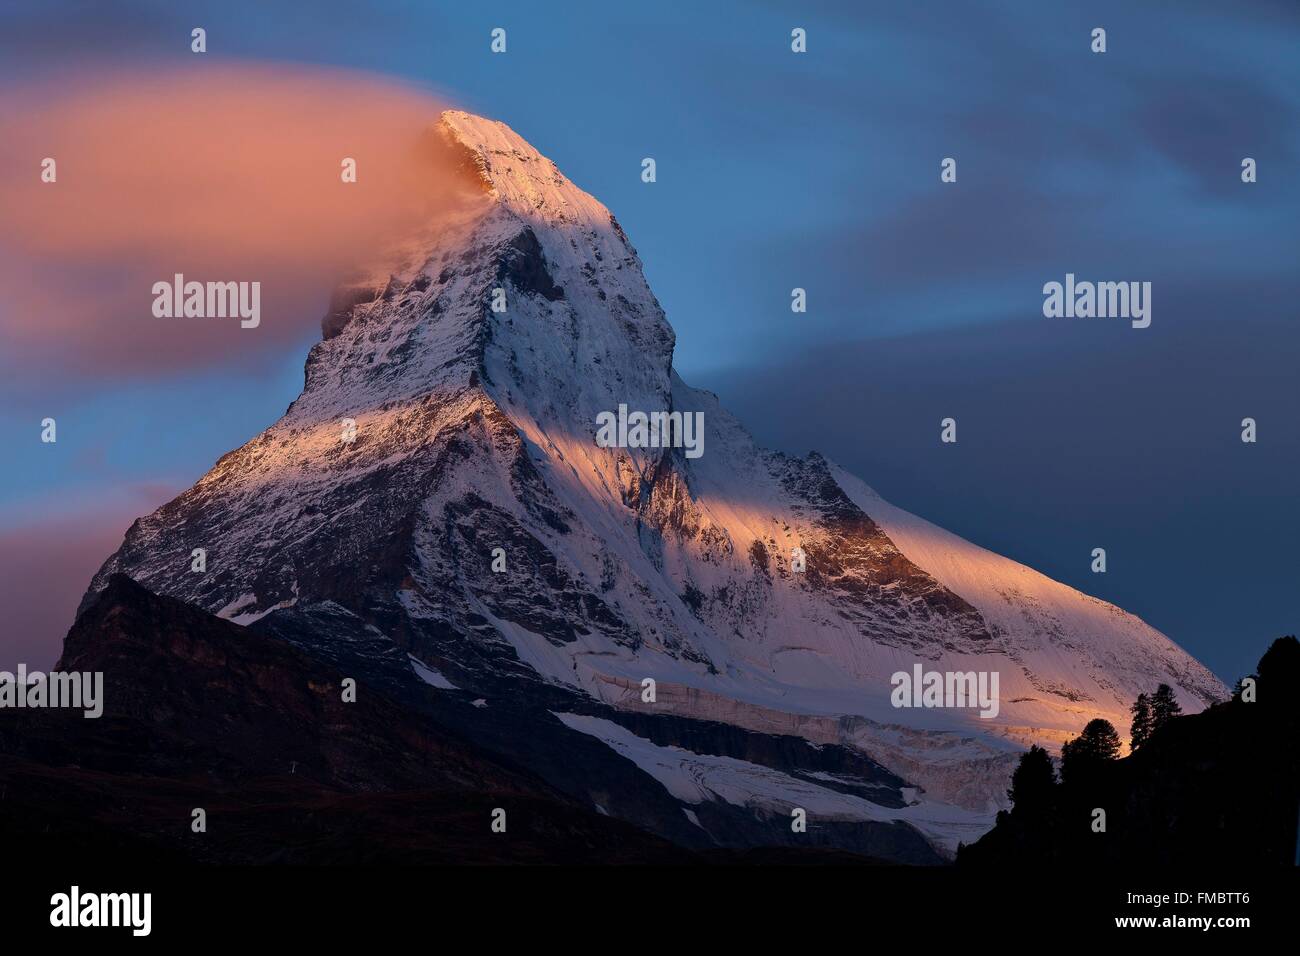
x,y
259,736
435,511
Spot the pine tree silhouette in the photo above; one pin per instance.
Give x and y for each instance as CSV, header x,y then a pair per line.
x,y
1164,708
1240,687
1033,784
1279,673
1140,729
1080,757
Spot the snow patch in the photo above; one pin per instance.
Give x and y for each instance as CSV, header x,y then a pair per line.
x,y
429,675
697,778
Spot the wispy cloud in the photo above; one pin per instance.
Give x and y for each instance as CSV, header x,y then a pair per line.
x,y
220,172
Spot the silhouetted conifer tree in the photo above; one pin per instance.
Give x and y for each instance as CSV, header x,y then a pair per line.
x,y
1097,744
1033,784
1140,729
1279,672
1164,708
1240,686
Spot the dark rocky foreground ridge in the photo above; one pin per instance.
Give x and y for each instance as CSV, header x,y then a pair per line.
x,y
1217,789
254,730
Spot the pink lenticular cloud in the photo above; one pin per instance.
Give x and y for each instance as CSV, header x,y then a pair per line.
x,y
218,173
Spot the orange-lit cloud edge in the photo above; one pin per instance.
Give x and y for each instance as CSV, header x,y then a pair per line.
x,y
228,171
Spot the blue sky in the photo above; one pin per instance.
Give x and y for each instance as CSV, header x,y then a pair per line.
x,y
821,170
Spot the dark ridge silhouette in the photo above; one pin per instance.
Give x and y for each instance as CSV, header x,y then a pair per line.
x,y
202,713
256,733
1218,788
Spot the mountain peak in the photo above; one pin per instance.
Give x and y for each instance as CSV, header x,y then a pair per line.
x,y
536,293
528,184
438,484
